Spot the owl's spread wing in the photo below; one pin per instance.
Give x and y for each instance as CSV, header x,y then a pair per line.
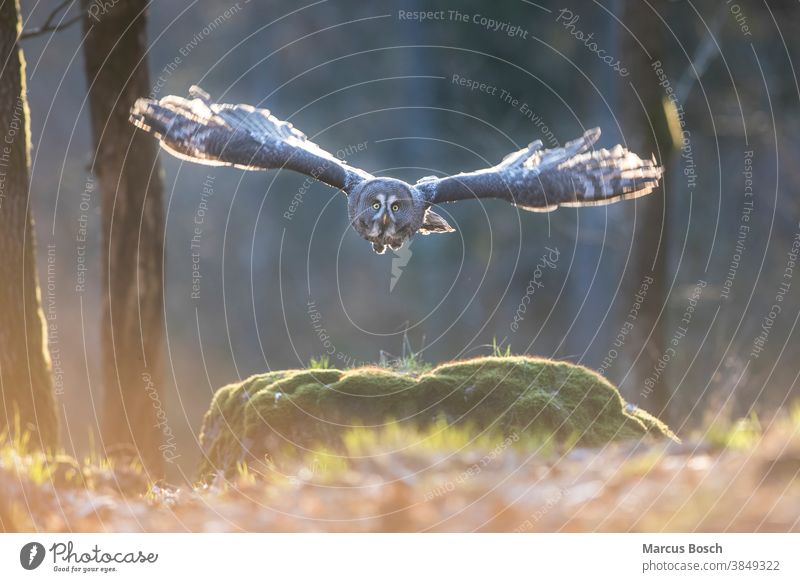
x,y
544,179
238,135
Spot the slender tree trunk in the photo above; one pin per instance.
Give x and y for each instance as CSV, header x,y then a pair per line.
x,y
647,132
25,382
126,165
593,287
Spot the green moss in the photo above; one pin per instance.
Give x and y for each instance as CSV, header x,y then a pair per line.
x,y
289,412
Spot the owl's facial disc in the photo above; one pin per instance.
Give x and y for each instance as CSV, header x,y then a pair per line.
x,y
380,220
383,211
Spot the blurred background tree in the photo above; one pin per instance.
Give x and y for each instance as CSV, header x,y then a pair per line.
x,y
126,165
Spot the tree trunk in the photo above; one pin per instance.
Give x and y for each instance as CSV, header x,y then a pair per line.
x,y
647,132
25,382
126,165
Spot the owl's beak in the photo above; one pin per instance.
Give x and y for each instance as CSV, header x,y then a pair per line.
x,y
385,219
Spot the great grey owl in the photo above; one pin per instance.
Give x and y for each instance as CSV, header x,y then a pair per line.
x,y
385,211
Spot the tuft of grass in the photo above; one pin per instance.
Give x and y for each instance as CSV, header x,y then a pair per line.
x,y
58,470
500,352
366,449
321,363
409,362
437,436
741,434
794,414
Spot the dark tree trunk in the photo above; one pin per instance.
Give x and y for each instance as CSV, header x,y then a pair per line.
x,y
126,165
647,132
25,382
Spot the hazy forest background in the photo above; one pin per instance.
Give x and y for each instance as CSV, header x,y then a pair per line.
x,y
270,248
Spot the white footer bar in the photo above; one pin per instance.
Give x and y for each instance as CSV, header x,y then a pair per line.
x,y
401,557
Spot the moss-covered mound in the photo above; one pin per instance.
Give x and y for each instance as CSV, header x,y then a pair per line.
x,y
281,412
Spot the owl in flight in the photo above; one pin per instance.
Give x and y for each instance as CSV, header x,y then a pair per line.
x,y
386,211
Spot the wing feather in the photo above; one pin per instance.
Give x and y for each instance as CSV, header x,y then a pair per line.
x,y
243,136
541,180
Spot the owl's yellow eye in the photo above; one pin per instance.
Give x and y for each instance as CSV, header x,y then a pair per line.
x,y
395,207
376,205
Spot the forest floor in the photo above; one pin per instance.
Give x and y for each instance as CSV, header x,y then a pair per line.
x,y
738,477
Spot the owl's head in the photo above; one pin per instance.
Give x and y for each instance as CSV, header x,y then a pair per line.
x,y
387,212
